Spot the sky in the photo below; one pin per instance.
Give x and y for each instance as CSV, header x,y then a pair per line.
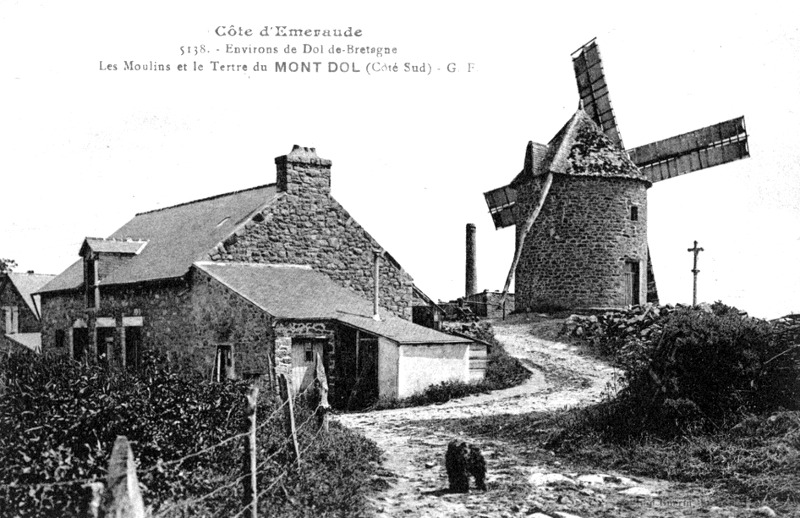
x,y
83,148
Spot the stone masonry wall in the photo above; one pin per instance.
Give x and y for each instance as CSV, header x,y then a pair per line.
x,y
221,316
575,254
185,320
305,225
165,308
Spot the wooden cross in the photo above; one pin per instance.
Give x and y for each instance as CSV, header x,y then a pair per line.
x,y
695,271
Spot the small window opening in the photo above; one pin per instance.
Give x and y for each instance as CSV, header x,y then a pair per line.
x,y
635,213
61,338
309,352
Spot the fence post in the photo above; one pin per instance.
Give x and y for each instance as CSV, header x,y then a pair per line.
x,y
250,498
291,430
321,383
122,498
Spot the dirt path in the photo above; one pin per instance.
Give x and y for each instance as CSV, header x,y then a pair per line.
x,y
413,481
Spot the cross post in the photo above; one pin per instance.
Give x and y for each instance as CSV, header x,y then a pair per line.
x,y
695,271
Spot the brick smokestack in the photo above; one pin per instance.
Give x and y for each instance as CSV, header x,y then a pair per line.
x,y
302,172
471,284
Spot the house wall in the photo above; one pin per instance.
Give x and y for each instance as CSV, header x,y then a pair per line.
x,y
222,316
388,368
575,254
186,320
305,225
9,296
165,309
420,366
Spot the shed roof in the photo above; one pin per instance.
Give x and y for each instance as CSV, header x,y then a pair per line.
x,y
176,237
112,246
300,293
32,341
27,284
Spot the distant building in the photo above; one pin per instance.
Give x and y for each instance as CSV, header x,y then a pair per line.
x,y
20,310
255,283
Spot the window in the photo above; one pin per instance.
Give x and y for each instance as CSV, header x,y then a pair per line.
x,y
11,319
61,338
80,342
105,343
223,366
309,352
635,213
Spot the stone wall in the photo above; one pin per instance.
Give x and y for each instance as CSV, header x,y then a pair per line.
x,y
305,225
575,254
221,316
164,307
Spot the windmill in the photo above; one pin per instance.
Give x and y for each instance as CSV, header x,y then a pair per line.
x,y
570,263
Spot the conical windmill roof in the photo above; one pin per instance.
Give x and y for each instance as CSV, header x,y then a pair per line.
x,y
580,148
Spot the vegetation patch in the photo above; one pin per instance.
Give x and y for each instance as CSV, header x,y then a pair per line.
x,y
708,395
59,420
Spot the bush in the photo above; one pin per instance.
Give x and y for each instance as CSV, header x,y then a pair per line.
x,y
689,368
59,420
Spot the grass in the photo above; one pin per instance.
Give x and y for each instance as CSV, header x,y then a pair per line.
x,y
756,460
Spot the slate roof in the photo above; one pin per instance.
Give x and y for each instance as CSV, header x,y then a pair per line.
x,y
27,284
32,341
176,237
300,293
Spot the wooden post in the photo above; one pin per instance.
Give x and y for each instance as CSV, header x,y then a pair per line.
x,y
524,233
250,497
321,383
291,430
122,498
695,271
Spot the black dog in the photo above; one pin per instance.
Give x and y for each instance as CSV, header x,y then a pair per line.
x,y
461,462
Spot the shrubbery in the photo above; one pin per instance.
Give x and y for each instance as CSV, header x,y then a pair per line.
x,y
59,419
686,368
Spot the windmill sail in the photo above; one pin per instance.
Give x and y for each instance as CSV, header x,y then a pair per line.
x,y
501,203
699,149
593,90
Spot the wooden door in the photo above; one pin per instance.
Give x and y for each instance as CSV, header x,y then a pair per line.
x,y
632,283
304,351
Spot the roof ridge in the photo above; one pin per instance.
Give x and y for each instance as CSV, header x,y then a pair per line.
x,y
207,198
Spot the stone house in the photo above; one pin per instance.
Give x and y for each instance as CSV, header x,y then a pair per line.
x,y
252,284
20,310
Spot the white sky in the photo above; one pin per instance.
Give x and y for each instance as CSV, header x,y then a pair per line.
x,y
83,150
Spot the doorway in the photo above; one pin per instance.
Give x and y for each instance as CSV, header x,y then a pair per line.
x,y
632,283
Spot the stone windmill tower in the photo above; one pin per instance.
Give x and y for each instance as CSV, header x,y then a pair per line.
x,y
580,202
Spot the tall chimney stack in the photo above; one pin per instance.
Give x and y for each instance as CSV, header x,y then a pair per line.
x,y
471,285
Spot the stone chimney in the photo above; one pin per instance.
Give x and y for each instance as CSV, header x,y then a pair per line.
x,y
471,281
302,172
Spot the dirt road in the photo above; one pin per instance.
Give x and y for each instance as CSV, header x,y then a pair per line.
x,y
413,481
